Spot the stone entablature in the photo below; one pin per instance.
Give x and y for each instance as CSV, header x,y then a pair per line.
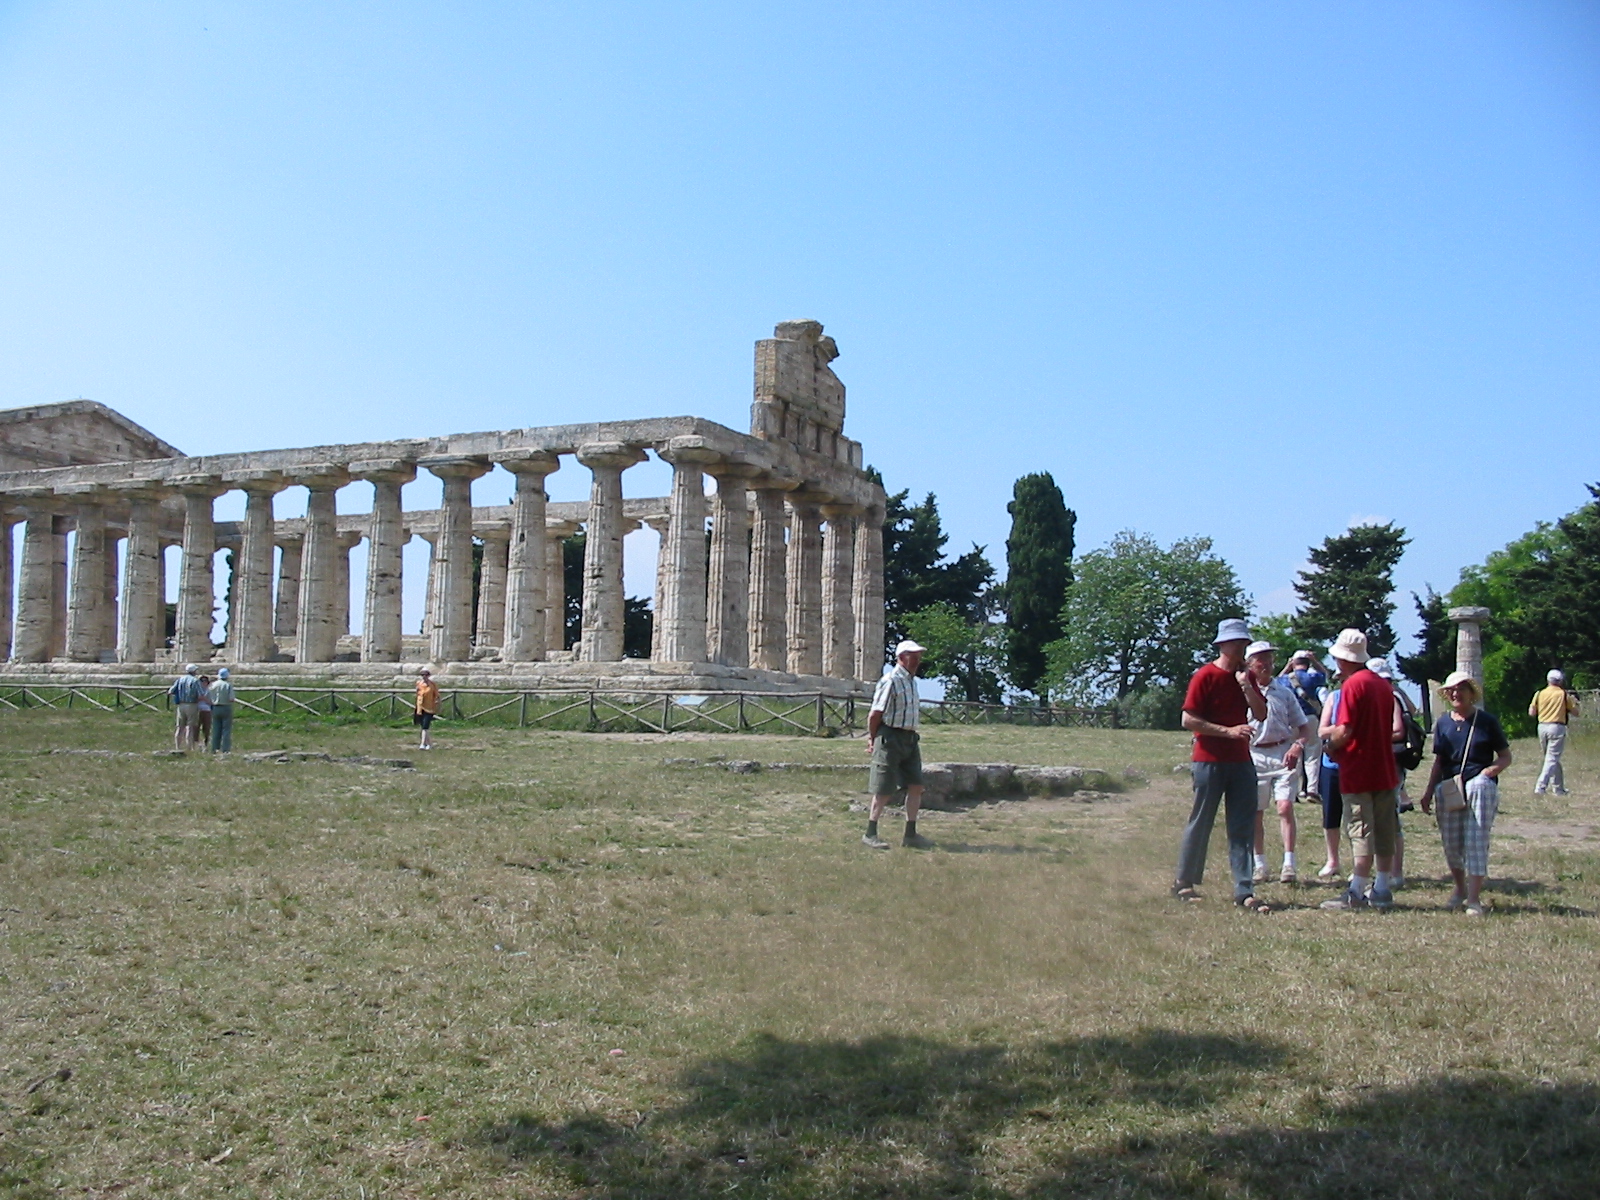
x,y
75,431
794,585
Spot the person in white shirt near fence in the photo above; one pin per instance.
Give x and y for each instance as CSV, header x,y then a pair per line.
x,y
892,741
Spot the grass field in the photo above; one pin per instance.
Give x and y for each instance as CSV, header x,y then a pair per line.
x,y
545,964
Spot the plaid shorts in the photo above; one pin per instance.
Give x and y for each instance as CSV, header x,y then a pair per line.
x,y
1465,832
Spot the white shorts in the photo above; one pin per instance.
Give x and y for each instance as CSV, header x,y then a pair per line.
x,y
1274,781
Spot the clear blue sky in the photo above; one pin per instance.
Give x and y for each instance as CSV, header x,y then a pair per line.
x,y
1248,270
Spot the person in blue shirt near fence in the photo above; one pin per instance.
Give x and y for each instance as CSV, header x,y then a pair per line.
x,y
185,693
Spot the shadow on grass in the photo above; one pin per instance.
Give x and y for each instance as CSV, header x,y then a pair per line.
x,y
914,1117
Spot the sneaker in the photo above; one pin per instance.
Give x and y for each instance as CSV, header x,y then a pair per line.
x,y
877,843
1287,875
1348,901
1261,873
1538,791
1382,901
1562,792
1329,871
1476,910
1396,882
915,841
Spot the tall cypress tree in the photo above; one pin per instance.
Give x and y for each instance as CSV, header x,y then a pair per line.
x,y
1038,573
1349,585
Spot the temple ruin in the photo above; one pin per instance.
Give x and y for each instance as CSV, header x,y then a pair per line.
x,y
789,597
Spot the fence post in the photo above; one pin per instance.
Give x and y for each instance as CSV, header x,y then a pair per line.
x,y
743,728
455,704
522,712
594,718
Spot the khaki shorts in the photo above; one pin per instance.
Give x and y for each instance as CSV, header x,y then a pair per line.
x,y
1374,822
896,761
188,716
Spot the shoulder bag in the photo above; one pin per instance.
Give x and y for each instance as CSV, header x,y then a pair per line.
x,y
1451,791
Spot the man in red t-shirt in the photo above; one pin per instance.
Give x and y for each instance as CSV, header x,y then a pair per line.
x,y
1217,708
1362,743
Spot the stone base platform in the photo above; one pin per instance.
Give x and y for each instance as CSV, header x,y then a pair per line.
x,y
629,675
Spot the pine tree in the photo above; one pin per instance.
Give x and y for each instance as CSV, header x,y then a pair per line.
x,y
1349,585
1038,573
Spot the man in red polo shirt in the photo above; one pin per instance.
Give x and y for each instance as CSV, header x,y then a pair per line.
x,y
1217,708
1362,743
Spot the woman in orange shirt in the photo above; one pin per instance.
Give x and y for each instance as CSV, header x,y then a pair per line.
x,y
427,707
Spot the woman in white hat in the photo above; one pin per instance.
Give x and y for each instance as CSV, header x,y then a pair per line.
x,y
1470,748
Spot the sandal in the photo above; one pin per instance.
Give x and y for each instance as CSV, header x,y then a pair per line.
x,y
1254,904
1456,903
1476,909
1185,891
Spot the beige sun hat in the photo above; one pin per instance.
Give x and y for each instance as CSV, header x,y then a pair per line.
x,y
1351,645
1456,679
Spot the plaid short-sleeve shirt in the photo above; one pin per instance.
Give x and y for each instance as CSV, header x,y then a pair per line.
x,y
896,699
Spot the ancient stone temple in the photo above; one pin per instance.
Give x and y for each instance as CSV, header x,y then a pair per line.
x,y
784,593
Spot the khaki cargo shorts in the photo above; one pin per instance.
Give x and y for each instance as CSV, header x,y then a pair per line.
x,y
896,761
1374,822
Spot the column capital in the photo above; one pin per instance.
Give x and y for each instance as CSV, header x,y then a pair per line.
x,y
732,469
767,481
384,470
288,539
688,450
319,477
1469,613
256,480
198,485
529,461
808,498
346,538
84,493
456,466
839,510
562,529
610,454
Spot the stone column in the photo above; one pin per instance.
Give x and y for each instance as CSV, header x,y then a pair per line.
x,y
682,614
8,518
86,611
197,597
838,592
805,584
59,588
109,602
286,614
769,628
316,630
492,573
381,634
450,635
602,559
34,638
527,626
728,588
1469,640
868,588
428,581
141,631
658,597
555,583
344,543
250,623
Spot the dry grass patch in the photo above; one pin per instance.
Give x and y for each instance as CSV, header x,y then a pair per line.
x,y
319,979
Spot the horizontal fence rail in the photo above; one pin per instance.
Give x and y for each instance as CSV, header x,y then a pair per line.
x,y
813,714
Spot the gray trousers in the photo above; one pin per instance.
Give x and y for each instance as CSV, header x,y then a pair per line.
x,y
1235,785
1552,740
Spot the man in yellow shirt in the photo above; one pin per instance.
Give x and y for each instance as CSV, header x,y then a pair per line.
x,y
1553,708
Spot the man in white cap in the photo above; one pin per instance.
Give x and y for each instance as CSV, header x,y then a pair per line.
x,y
892,741
1553,707
186,691
1217,708
1278,741
1362,743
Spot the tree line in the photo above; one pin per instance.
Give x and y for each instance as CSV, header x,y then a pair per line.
x,y
1125,624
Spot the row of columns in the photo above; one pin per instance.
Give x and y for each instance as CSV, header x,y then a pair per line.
x,y
791,582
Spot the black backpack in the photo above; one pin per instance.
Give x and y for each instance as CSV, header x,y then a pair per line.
x,y
1408,755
